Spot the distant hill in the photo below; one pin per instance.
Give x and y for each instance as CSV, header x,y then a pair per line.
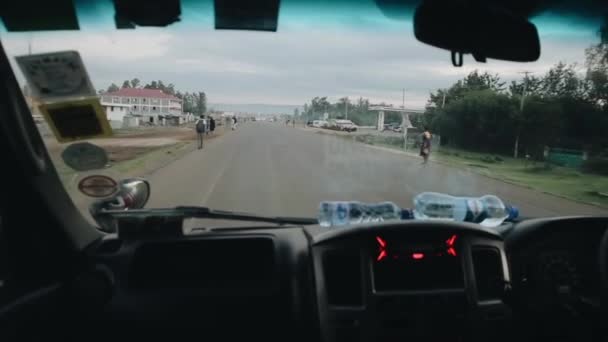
x,y
257,108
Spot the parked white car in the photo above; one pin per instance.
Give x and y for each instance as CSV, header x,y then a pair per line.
x,y
320,123
346,125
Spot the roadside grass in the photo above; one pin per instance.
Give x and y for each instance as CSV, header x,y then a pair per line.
x,y
559,181
565,182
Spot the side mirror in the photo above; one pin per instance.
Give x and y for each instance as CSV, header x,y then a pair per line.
x,y
483,30
133,193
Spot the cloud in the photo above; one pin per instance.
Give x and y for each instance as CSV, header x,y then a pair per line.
x,y
375,59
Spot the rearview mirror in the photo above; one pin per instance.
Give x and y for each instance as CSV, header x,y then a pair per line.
x,y
464,27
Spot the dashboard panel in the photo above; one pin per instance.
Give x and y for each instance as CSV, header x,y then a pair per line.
x,y
387,282
229,284
556,275
424,280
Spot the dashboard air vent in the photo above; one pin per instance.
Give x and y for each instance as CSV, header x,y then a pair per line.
x,y
343,277
489,278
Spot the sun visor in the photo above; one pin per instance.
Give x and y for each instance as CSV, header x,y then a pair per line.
x,y
38,15
132,13
255,15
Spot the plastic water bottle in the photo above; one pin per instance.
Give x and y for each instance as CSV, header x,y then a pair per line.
x,y
488,210
341,213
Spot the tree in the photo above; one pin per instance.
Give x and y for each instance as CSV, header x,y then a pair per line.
x,y
319,106
112,88
562,81
126,84
562,109
344,103
202,103
152,85
532,85
170,89
188,102
135,83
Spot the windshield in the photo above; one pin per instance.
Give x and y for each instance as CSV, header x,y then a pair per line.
x,y
341,103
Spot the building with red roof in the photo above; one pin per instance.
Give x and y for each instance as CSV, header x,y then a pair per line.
x,y
150,104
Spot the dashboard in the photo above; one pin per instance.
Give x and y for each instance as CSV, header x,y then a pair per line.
x,y
425,280
382,282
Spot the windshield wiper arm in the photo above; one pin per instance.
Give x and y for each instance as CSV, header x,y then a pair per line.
x,y
204,212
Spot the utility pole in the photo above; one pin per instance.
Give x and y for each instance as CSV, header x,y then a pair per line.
x,y
346,108
403,99
521,112
443,101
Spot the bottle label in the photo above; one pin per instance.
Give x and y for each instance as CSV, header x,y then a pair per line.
x,y
341,214
475,208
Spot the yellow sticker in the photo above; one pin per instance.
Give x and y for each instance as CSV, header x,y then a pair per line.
x,y
76,119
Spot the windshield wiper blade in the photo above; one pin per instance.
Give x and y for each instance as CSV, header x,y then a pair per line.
x,y
204,212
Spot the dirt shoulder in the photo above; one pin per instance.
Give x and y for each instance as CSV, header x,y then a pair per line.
x,y
133,152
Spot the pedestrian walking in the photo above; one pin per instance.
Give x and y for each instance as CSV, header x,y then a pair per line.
x,y
425,146
234,122
200,130
211,124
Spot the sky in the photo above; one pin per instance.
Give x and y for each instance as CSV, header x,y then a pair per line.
x,y
317,51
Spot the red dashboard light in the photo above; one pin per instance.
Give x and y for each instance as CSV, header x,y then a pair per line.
x,y
451,240
451,250
381,256
417,256
382,244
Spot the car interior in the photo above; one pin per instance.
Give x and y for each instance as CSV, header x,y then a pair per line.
x,y
63,279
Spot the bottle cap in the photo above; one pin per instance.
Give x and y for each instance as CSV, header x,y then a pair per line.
x,y
406,214
513,212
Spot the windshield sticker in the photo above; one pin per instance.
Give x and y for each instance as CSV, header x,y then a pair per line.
x,y
56,75
76,120
85,156
98,186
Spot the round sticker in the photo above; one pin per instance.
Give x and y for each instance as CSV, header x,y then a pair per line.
x,y
85,156
98,186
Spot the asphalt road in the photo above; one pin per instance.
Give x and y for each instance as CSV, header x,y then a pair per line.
x,y
274,169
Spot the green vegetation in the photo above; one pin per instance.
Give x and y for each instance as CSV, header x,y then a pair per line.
x,y
562,108
374,139
565,182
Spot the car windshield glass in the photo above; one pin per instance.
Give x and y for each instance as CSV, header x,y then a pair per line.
x,y
341,103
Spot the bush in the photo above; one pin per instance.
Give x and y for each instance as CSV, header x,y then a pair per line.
x,y
542,168
498,159
596,165
488,159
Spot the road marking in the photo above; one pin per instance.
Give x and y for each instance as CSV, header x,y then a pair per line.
x,y
227,161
